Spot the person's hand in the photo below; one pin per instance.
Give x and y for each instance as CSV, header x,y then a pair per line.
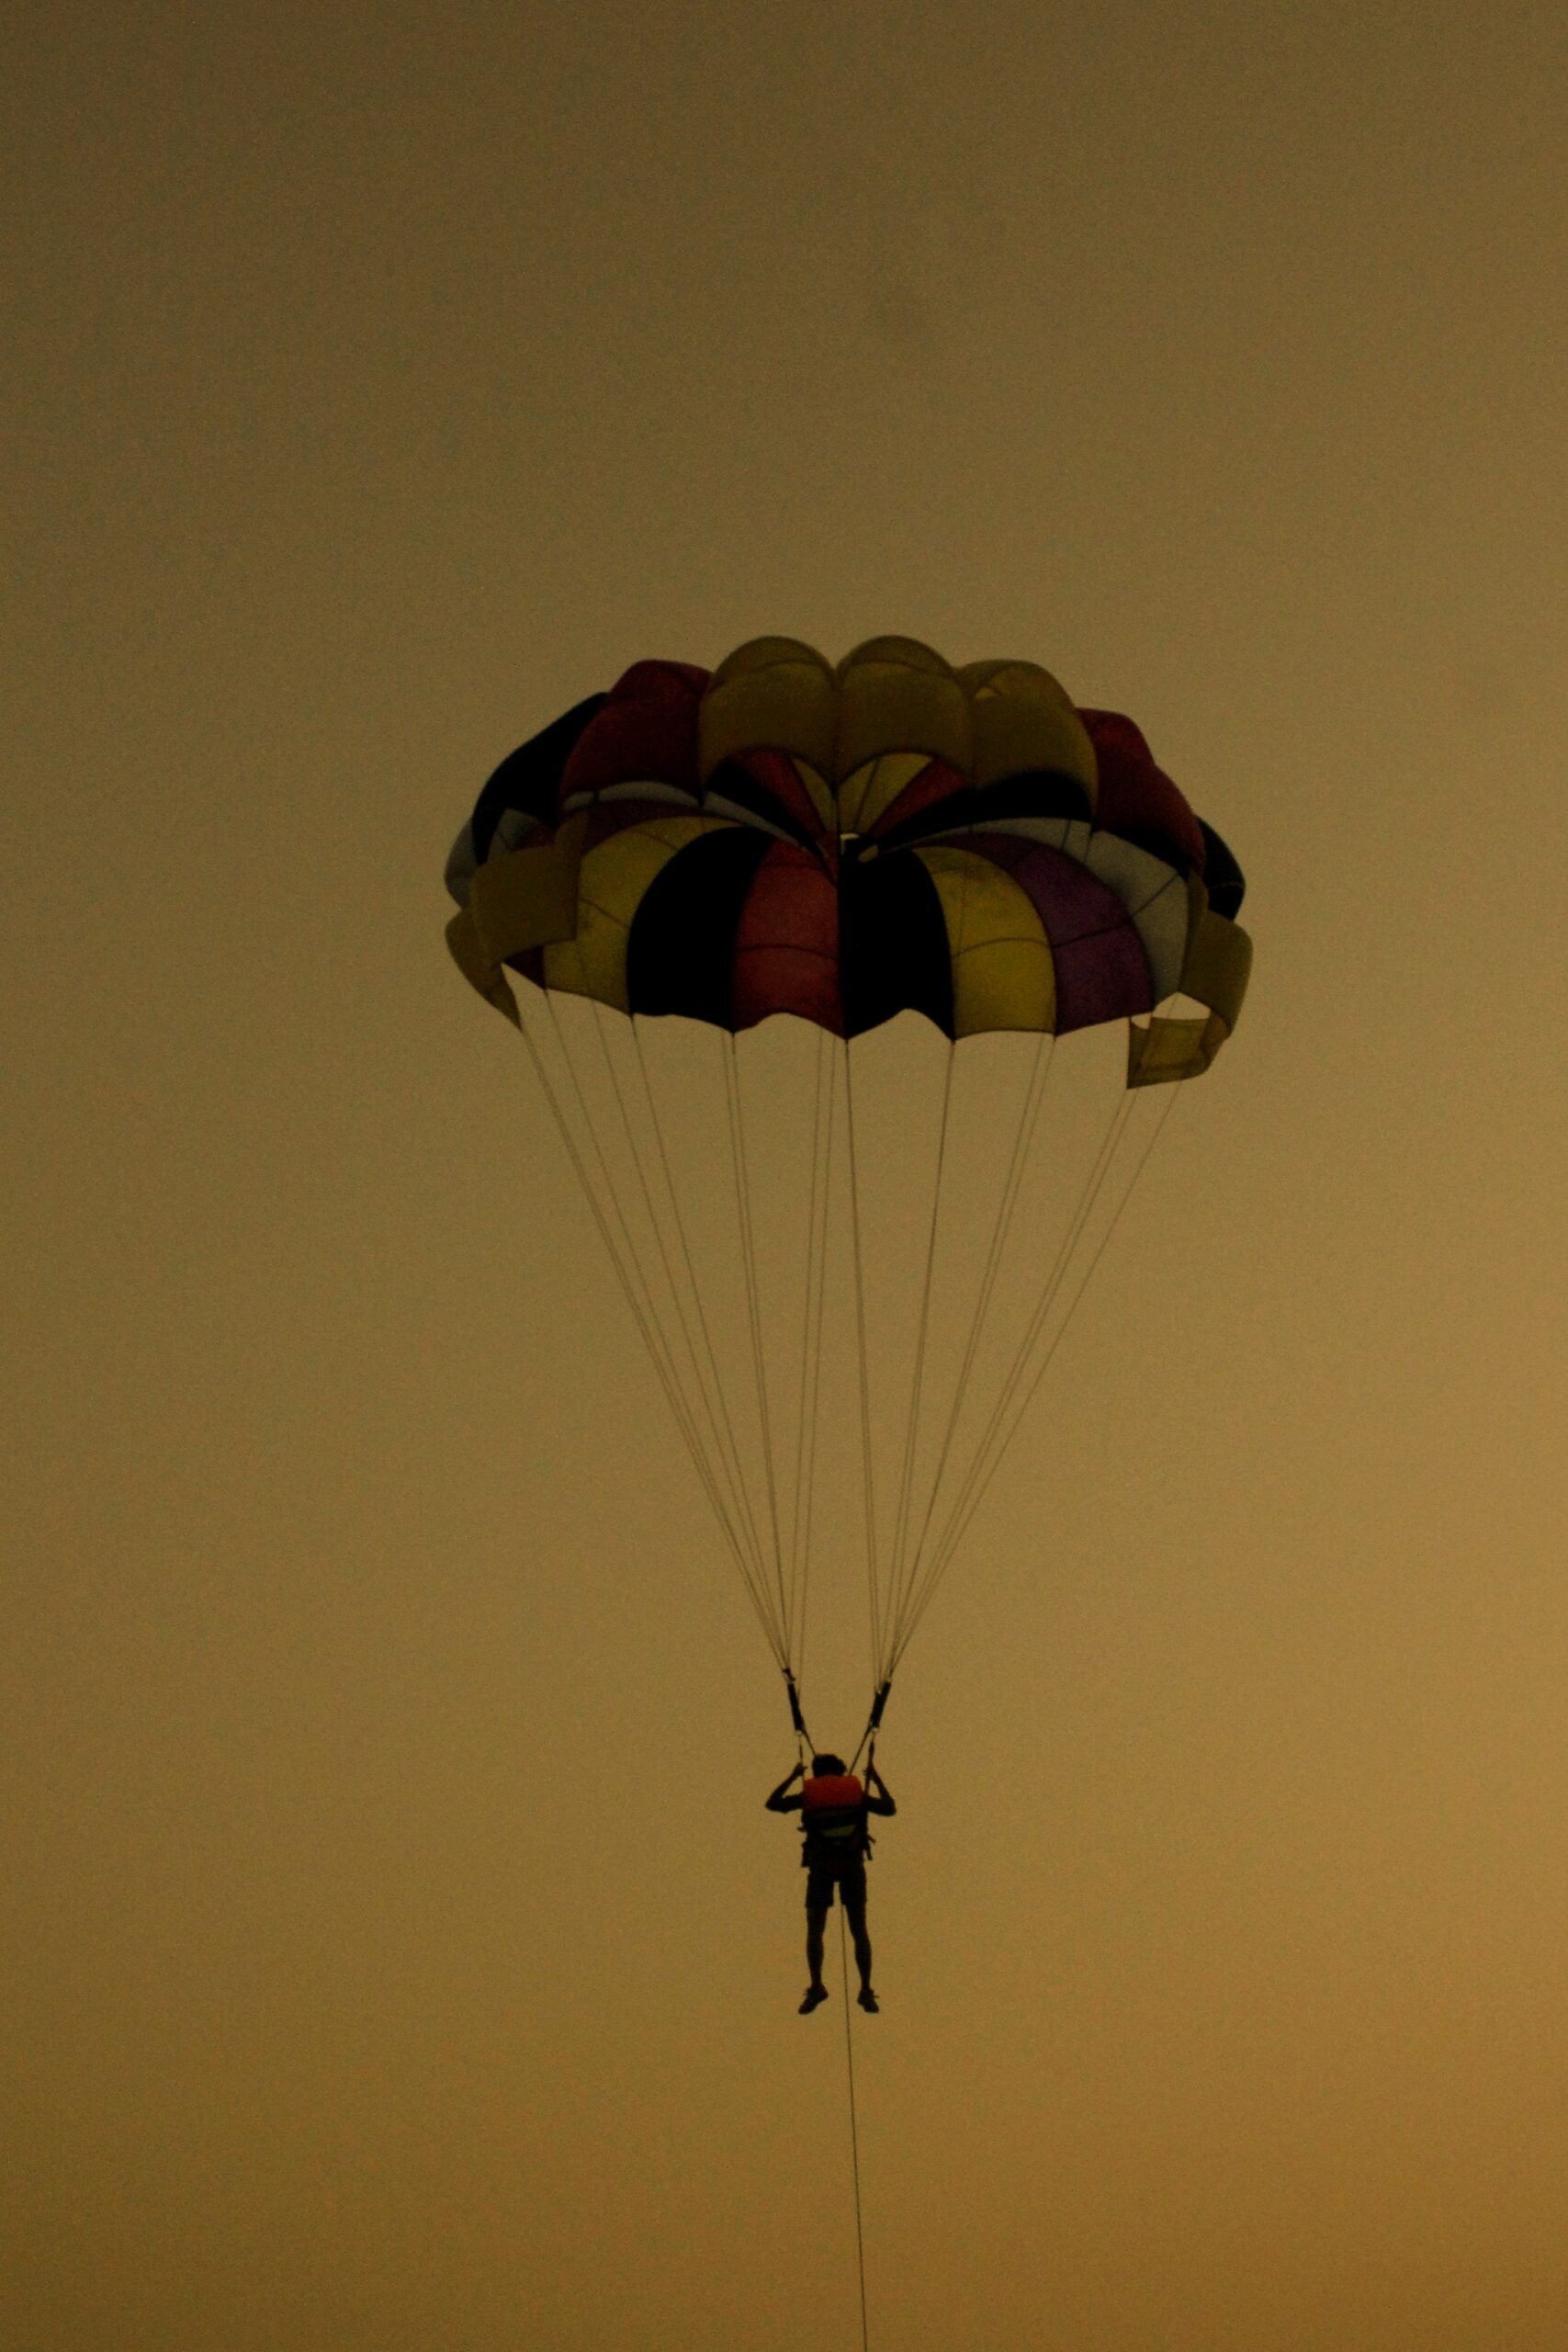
x,y
797,1772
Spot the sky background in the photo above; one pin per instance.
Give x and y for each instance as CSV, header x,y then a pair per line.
x,y
399,1959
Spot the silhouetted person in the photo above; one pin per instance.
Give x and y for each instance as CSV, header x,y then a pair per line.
x,y
833,1807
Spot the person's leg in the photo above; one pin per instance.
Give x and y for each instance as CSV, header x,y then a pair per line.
x,y
816,1934
856,1914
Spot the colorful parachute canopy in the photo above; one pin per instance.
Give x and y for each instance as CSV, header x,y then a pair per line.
x,y
780,836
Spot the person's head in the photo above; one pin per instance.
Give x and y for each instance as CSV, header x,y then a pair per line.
x,y
824,1767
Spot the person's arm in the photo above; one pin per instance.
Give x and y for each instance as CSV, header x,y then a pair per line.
x,y
779,1801
883,1800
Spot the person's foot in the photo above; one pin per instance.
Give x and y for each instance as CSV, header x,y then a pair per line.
x,y
815,1996
868,2000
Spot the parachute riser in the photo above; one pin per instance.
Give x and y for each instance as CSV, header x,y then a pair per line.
x,y
867,1746
873,1725
802,1735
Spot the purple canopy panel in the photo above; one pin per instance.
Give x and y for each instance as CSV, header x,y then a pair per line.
x,y
1101,971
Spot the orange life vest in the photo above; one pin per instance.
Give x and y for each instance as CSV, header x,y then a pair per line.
x,y
834,1816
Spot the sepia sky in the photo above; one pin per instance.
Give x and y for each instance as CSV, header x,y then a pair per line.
x,y
398,1958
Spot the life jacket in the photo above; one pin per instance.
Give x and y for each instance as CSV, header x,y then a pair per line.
x,y
833,1808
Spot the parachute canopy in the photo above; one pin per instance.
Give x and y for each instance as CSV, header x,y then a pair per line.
x,y
852,1267
845,844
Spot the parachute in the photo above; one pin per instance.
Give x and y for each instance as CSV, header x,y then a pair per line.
x,y
902,858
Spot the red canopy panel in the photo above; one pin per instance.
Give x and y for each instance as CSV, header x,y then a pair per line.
x,y
646,732
786,946
1138,799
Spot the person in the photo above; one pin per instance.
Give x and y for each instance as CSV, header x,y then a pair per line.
x,y
834,1808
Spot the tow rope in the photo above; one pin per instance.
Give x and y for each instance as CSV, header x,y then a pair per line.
x,y
868,1749
854,2131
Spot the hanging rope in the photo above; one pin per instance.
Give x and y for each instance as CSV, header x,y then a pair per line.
x,y
867,1472
616,1140
982,1458
825,1095
714,1374
707,1458
1029,1116
754,1308
718,1409
981,1477
917,1383
634,1285
854,2130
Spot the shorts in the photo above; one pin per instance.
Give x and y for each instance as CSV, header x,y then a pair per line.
x,y
849,1876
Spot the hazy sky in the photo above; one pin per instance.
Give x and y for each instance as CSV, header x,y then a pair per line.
x,y
398,1957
